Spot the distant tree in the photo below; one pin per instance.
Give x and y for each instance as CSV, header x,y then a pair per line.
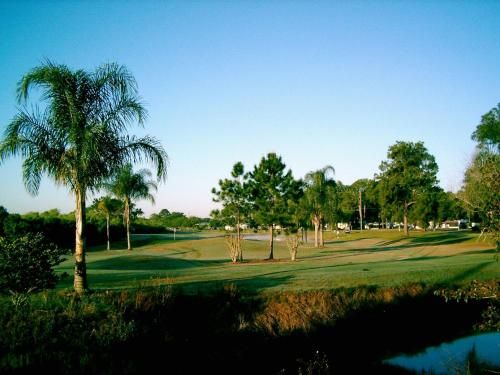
x,y
216,219
270,190
108,206
80,139
409,171
426,208
319,194
233,196
129,186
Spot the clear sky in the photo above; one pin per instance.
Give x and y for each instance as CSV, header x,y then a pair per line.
x,y
318,82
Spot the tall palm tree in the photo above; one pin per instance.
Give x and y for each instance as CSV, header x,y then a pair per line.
x,y
108,206
128,186
320,185
80,138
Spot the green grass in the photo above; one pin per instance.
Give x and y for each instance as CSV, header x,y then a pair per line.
x,y
383,258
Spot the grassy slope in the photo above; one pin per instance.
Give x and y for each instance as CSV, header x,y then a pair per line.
x,y
383,258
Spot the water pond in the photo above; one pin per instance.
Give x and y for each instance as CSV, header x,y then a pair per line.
x,y
444,358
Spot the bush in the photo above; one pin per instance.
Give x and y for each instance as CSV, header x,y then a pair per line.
x,y
27,262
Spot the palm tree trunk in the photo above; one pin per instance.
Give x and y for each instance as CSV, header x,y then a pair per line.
x,y
321,242
127,223
80,280
316,229
107,232
271,242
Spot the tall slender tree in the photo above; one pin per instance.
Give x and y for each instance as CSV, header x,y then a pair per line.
x,y
80,137
108,206
129,186
270,189
318,196
232,194
409,171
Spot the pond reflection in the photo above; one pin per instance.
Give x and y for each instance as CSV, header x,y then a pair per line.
x,y
448,357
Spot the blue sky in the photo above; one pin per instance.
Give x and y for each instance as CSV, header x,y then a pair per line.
x,y
324,82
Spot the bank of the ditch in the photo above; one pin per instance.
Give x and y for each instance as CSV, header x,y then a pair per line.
x,y
229,331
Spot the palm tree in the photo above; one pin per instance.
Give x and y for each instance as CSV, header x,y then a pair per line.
x,y
129,186
108,206
317,195
80,138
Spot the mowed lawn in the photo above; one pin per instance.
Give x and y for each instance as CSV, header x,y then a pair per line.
x,y
200,261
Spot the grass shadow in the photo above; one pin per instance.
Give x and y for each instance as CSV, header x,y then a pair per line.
x,y
468,272
253,284
148,263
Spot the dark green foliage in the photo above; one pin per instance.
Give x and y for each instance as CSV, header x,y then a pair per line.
x,y
409,172
481,191
59,229
270,190
3,215
27,263
233,195
168,219
487,133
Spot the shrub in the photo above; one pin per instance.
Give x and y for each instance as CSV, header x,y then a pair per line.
x,y
27,263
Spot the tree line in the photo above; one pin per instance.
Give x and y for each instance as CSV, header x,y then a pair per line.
x,y
404,190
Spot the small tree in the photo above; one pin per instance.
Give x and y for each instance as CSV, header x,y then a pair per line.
x,y
319,195
232,194
108,206
293,243
233,244
27,263
129,186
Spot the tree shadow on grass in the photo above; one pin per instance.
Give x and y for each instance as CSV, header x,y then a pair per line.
x,y
468,272
140,240
251,284
413,242
149,263
445,238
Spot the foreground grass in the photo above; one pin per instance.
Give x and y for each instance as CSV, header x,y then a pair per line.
x,y
229,331
199,261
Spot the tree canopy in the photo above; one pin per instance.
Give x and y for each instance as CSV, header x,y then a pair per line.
x,y
409,171
129,186
270,190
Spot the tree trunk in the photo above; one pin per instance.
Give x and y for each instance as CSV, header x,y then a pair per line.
x,y
316,229
240,252
306,235
271,242
360,213
321,242
107,232
127,223
80,280
405,219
